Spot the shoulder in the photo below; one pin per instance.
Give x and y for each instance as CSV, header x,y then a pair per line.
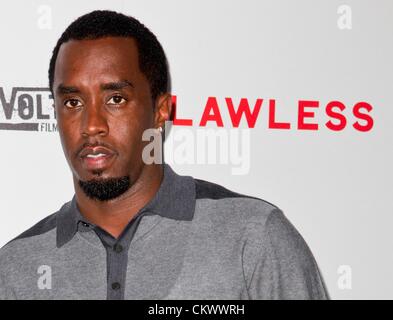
x,y
40,237
41,227
271,246
230,205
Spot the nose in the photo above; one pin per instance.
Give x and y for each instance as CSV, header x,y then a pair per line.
x,y
94,121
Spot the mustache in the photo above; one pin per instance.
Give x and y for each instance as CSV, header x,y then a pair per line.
x,y
93,144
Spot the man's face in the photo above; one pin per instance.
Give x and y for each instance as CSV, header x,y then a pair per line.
x,y
103,105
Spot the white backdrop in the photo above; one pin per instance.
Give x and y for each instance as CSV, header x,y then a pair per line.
x,y
334,186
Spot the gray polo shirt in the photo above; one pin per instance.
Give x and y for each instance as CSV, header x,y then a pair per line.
x,y
193,240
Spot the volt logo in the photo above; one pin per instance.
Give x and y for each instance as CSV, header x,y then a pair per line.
x,y
28,109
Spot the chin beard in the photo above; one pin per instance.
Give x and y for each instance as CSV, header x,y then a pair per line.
x,y
105,189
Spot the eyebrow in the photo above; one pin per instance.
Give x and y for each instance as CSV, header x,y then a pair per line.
x,y
117,85
62,89
110,86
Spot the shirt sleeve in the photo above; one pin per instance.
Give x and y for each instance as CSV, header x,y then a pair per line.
x,y
283,266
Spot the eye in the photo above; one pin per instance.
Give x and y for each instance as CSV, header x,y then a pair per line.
x,y
72,103
116,100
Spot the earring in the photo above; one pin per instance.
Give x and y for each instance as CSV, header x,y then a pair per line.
x,y
159,129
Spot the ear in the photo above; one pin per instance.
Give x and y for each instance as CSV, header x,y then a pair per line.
x,y
163,109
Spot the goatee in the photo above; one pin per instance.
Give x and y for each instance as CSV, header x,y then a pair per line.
x,y
105,189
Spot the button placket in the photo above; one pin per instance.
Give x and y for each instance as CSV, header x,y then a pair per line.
x,y
118,248
116,285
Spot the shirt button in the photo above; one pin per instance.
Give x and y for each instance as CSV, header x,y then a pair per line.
x,y
118,248
115,286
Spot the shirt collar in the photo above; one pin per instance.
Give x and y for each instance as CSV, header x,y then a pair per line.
x,y
175,199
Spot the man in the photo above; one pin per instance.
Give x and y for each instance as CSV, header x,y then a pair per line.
x,y
135,230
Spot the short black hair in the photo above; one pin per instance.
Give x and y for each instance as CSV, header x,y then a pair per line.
x,y
103,23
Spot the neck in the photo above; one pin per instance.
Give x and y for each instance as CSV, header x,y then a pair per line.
x,y
114,215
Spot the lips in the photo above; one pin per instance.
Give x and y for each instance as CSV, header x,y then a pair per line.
x,y
96,158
